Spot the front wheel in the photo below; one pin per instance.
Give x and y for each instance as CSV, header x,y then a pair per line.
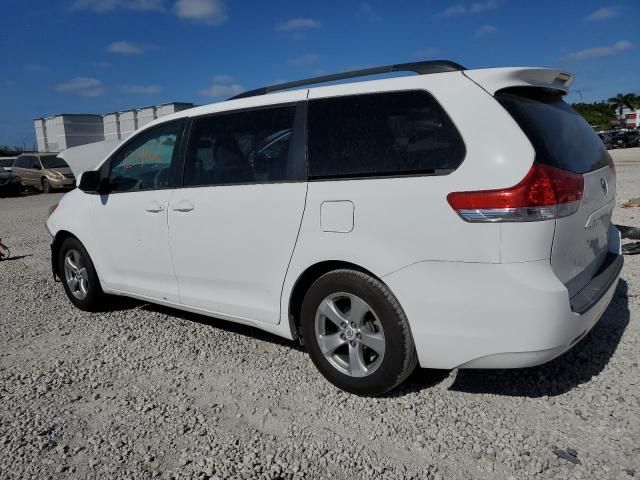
x,y
356,333
46,186
79,276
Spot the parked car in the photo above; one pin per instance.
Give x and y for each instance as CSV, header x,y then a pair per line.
x,y
633,138
450,219
9,184
606,139
6,163
625,139
44,171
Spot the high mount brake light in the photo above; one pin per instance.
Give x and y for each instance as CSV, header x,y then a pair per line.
x,y
544,193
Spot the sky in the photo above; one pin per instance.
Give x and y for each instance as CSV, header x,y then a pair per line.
x,y
98,56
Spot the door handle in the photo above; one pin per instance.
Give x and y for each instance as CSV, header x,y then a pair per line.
x,y
183,206
154,207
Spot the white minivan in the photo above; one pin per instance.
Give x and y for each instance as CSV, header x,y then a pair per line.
x,y
450,218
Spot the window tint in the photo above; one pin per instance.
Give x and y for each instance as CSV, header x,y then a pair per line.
x,y
395,133
243,147
25,161
560,136
53,161
145,163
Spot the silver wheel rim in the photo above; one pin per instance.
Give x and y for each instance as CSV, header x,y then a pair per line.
x,y
349,334
75,273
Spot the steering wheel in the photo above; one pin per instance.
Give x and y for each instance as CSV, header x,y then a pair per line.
x,y
161,178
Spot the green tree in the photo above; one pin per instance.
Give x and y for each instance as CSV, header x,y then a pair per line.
x,y
622,101
600,114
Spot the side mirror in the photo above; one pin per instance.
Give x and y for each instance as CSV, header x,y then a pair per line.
x,y
90,182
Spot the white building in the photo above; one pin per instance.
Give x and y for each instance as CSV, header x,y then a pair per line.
x,y
631,117
59,132
67,130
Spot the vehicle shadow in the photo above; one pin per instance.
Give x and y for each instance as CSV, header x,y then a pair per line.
x,y
17,257
28,192
586,359
117,303
236,328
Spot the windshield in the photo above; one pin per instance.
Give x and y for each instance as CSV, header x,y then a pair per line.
x,y
51,161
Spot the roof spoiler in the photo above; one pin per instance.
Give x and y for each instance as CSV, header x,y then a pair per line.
x,y
496,79
421,68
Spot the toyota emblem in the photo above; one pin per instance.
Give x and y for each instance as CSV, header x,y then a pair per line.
x,y
603,184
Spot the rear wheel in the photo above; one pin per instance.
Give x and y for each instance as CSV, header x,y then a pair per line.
x,y
46,186
356,333
79,276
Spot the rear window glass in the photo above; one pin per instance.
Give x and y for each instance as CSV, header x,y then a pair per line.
x,y
560,136
395,133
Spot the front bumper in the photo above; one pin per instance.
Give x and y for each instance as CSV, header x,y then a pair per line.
x,y
62,183
478,315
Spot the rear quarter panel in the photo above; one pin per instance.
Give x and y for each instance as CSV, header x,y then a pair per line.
x,y
404,220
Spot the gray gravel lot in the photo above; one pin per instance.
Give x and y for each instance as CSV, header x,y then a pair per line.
x,y
145,391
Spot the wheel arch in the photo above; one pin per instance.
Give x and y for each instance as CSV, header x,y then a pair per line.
x,y
306,279
58,239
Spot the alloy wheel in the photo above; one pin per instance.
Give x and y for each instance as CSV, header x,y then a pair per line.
x,y
349,334
76,275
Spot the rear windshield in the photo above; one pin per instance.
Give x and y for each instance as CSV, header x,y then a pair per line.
x,y
560,136
51,161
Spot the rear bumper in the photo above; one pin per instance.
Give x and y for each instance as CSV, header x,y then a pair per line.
x,y
475,315
587,298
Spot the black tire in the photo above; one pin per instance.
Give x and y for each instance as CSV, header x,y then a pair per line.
x,y
46,186
400,357
95,297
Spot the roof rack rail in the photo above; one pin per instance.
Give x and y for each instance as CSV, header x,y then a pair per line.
x,y
421,68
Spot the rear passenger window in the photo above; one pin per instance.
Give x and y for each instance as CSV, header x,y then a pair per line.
x,y
243,147
396,133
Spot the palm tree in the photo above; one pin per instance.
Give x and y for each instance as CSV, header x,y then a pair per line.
x,y
622,101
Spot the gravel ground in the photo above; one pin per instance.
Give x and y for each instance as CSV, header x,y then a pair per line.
x,y
144,391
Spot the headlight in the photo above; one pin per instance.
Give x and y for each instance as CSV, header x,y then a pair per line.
x,y
56,175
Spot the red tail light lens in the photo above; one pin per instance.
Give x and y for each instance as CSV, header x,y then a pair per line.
x,y
544,193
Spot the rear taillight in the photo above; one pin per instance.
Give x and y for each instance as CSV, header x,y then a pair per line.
x,y
544,193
